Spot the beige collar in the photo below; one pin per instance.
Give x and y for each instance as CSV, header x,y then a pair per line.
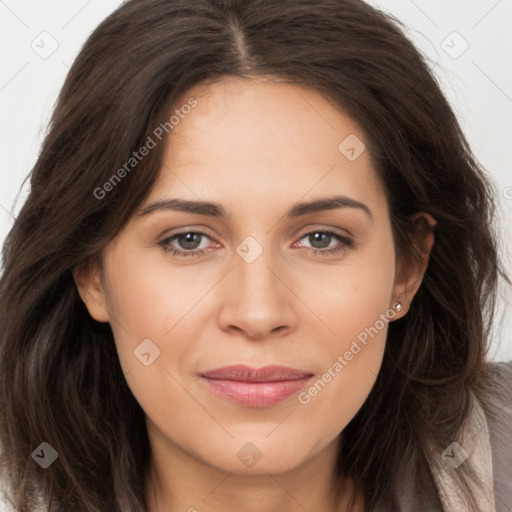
x,y
474,444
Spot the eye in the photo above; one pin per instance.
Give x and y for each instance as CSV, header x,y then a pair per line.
x,y
321,240
189,242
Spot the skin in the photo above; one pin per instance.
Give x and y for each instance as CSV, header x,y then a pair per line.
x,y
257,147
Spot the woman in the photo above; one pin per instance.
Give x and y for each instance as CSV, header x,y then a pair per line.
x,y
257,269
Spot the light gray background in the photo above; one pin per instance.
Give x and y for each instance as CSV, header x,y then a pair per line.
x,y
40,38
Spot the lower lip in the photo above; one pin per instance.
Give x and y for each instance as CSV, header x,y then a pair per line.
x,y
255,394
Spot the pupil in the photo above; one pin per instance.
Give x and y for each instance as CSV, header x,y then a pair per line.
x,y
317,237
189,240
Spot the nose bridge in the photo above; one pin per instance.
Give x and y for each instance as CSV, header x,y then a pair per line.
x,y
261,301
256,266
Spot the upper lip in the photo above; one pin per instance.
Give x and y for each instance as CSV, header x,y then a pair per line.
x,y
243,373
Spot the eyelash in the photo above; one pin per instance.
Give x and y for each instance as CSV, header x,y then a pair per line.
x,y
346,243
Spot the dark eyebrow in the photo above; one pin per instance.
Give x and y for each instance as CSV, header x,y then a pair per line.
x,y
328,203
218,211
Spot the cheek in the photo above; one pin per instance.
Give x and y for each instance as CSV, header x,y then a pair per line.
x,y
349,371
149,294
353,298
356,308
152,317
143,305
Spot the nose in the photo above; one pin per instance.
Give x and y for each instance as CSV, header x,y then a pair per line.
x,y
258,301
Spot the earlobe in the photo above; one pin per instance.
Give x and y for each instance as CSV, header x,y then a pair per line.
x,y
90,289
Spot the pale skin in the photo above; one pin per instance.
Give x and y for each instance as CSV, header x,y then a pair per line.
x,y
256,147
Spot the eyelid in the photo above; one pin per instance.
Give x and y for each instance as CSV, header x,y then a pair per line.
x,y
187,229
338,231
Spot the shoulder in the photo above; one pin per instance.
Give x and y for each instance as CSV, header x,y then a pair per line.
x,y
488,438
495,396
501,374
496,401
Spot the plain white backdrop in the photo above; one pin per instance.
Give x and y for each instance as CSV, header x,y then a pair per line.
x,y
468,42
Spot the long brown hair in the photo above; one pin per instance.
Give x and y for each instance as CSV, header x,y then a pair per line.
x,y
61,381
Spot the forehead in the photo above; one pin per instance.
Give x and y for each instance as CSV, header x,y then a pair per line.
x,y
260,138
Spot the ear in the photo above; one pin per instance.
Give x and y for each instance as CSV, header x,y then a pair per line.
x,y
88,283
409,276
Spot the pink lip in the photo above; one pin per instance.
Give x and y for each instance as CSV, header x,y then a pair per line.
x,y
255,387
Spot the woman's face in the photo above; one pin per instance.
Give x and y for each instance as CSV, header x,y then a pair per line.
x,y
266,288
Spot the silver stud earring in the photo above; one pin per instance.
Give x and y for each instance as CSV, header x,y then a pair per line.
x,y
397,306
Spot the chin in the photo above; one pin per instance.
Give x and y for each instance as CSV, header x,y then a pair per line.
x,y
256,458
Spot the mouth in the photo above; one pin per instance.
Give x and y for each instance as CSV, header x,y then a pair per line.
x,y
255,387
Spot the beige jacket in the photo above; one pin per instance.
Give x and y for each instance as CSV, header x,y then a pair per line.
x,y
487,443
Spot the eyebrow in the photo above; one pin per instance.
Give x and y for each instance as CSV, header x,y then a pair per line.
x,y
218,211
